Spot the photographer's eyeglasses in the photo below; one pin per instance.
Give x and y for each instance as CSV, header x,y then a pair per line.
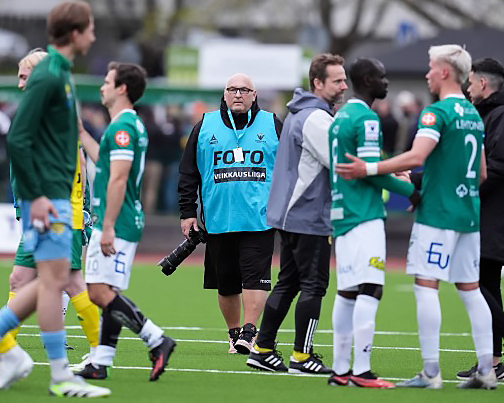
x,y
243,90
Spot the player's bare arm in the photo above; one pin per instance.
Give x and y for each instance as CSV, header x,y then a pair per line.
x,y
90,144
422,147
116,189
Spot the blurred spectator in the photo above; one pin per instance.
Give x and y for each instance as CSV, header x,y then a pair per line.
x,y
389,125
153,162
409,108
171,125
95,120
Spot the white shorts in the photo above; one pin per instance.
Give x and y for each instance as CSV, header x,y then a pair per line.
x,y
360,255
443,254
113,270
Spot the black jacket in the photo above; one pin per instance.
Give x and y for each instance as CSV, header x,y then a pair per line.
x,y
491,110
190,178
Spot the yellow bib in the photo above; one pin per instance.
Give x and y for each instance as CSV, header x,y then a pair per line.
x,y
77,196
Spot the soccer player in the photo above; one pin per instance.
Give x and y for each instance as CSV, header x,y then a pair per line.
x,y
357,216
119,222
445,239
43,147
24,265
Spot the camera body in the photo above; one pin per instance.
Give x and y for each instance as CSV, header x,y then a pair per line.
x,y
170,263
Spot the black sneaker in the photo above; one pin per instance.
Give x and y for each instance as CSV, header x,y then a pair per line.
x,y
499,371
246,339
91,371
160,356
464,375
270,361
233,335
312,365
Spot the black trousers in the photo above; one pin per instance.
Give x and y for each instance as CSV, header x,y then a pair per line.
x,y
304,268
490,284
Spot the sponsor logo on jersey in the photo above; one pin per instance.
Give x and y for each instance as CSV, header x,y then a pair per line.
x,y
429,119
461,190
213,140
459,109
122,138
377,263
228,157
68,92
240,174
371,130
265,281
260,137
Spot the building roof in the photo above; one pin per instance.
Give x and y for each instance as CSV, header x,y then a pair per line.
x,y
413,60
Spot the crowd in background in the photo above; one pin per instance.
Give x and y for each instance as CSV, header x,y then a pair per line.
x,y
169,127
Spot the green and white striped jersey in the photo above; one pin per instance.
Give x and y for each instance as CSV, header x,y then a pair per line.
x,y
124,139
450,184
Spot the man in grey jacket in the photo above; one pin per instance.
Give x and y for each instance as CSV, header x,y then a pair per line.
x,y
299,207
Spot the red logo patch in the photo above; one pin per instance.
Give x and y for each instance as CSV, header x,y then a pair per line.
x,y
429,119
122,138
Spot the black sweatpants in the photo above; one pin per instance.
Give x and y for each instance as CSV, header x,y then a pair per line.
x,y
304,266
490,284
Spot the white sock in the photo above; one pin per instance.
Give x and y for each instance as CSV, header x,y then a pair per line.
x,y
60,372
481,326
66,299
364,326
429,326
342,318
103,355
151,334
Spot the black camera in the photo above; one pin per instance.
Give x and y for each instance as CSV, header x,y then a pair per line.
x,y
170,263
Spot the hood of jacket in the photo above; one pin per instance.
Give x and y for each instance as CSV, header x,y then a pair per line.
x,y
493,101
305,99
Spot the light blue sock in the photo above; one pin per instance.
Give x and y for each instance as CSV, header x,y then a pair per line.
x,y
8,320
54,343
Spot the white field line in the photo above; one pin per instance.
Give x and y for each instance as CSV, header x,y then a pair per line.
x,y
321,331
217,371
444,350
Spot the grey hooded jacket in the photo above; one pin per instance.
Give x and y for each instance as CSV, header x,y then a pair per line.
x,y
300,195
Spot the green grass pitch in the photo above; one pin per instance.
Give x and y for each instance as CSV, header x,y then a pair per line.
x,y
201,370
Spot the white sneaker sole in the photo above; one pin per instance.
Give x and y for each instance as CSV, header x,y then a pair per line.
x,y
257,365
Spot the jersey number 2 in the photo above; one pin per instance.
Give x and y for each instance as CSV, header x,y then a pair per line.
x,y
469,138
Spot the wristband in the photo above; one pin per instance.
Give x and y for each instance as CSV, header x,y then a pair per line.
x,y
371,168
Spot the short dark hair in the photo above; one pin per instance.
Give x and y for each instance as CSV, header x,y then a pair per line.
x,y
318,67
65,18
133,76
361,68
491,69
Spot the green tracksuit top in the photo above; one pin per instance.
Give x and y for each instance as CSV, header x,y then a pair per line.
x,y
43,136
